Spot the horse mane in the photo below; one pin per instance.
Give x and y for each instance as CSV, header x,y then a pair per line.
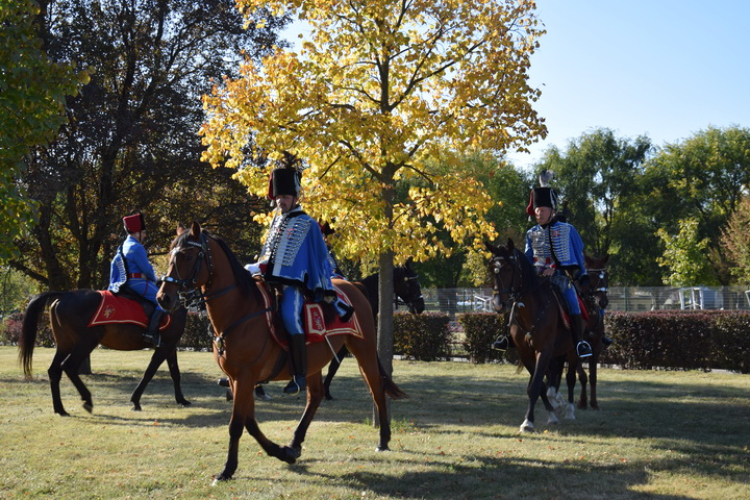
x,y
529,279
244,279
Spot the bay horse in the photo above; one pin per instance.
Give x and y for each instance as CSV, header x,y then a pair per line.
x,y
69,316
536,321
595,300
407,291
246,350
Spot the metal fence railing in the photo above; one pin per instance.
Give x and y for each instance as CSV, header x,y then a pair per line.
x,y
462,300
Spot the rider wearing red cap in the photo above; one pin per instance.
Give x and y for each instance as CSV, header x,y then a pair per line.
x,y
131,270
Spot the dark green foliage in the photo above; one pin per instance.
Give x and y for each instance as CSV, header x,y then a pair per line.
x,y
681,340
480,330
424,337
198,333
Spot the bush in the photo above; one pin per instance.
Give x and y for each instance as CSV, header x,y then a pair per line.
x,y
198,333
425,337
12,329
682,340
480,331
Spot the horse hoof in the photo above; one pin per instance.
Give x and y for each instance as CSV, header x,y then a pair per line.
x,y
185,403
382,448
290,454
527,426
220,479
136,407
89,407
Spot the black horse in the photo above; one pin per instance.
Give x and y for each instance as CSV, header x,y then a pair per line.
x,y
408,292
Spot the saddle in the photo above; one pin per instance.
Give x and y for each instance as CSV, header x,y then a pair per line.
x,y
125,308
562,304
317,322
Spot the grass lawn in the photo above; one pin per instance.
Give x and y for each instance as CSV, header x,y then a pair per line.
x,y
660,435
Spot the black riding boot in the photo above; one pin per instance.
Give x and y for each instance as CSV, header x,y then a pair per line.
x,y
152,334
298,353
577,327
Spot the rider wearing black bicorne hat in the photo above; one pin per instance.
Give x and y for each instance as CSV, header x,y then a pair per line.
x,y
556,250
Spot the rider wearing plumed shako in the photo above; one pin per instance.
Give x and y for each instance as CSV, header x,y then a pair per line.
x,y
295,255
556,250
131,270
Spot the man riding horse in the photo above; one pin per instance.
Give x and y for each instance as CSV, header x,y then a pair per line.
x,y
295,256
556,249
131,271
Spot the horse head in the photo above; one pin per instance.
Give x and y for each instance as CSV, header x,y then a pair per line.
x,y
188,254
507,274
407,288
598,278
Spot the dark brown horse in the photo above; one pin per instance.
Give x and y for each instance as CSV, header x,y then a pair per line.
x,y
535,319
595,299
408,292
246,350
69,314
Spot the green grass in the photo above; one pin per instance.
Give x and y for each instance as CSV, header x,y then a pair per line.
x,y
664,435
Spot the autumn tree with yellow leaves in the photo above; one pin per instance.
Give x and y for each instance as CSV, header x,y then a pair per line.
x,y
385,94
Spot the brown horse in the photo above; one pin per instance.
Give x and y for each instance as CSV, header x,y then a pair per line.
x,y
246,350
535,320
69,314
595,300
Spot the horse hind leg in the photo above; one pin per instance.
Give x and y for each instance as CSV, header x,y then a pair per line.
x,y
54,372
376,380
71,366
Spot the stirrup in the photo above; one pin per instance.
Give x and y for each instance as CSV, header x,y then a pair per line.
x,y
583,349
296,385
153,338
501,345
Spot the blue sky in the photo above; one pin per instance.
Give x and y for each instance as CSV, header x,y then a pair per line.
x,y
662,68
666,69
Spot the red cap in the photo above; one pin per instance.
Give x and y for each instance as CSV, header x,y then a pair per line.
x,y
134,223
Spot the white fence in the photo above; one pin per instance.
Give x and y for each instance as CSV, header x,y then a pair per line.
x,y
463,300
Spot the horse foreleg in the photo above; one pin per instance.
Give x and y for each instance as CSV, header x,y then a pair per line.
x,y
570,379
534,390
583,400
314,397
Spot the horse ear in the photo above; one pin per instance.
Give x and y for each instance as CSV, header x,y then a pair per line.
x,y
180,229
511,245
605,259
195,230
587,260
408,263
490,247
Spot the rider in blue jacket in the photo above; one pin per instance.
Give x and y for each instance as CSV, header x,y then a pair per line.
x,y
131,270
556,250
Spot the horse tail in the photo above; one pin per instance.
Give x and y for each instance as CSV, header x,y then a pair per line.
x,y
389,385
30,325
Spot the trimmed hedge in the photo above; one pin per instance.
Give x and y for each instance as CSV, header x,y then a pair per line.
x,y
680,340
424,337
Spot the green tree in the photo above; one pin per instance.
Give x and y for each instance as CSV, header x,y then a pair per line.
x,y
702,178
131,142
735,238
594,175
380,94
32,107
686,256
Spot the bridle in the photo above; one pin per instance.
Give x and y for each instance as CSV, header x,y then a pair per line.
x,y
600,292
496,265
188,292
410,301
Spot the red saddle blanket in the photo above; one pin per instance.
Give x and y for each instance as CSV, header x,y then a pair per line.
x,y
115,309
316,329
